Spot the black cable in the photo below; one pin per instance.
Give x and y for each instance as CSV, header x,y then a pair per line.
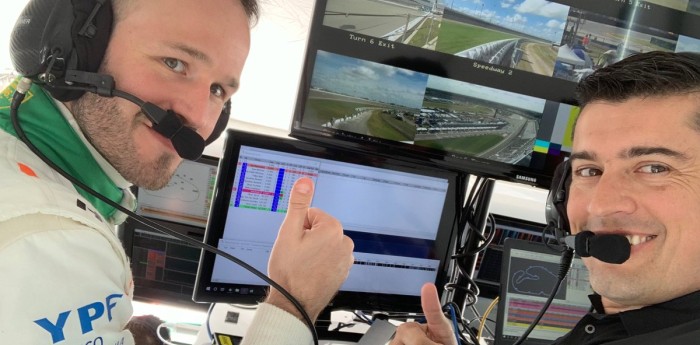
x,y
17,98
565,262
467,214
467,228
212,340
549,238
491,222
360,315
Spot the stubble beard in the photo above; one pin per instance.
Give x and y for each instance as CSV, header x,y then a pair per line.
x,y
112,133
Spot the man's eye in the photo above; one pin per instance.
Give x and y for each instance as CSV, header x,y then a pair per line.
x,y
174,64
653,169
588,172
217,91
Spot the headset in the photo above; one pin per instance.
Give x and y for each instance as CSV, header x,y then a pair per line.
x,y
555,207
609,248
557,198
55,40
60,45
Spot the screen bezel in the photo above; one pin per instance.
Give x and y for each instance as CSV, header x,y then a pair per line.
x,y
343,299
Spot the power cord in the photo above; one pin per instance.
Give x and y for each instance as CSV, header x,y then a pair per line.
x,y
17,98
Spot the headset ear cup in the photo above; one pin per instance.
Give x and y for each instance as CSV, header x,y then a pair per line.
x,y
59,35
221,123
555,207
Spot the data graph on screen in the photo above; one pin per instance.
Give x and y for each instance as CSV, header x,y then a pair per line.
x,y
186,199
529,273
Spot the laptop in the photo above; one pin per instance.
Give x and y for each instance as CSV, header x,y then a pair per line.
x,y
528,275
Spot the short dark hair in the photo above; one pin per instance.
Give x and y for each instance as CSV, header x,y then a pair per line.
x,y
654,73
252,10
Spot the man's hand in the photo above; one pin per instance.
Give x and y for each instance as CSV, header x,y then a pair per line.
x,y
311,257
436,330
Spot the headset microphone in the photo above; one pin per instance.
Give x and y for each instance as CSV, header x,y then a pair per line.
x,y
187,143
613,249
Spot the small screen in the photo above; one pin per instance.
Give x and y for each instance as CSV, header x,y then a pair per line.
x,y
164,268
185,199
399,216
487,272
528,276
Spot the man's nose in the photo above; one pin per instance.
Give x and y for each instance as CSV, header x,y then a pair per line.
x,y
612,194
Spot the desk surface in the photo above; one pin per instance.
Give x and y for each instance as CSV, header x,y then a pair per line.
x,y
243,317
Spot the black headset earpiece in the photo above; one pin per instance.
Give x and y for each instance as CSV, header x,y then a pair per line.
x,y
221,123
54,36
555,207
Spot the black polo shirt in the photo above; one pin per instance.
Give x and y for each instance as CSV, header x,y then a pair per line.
x,y
598,328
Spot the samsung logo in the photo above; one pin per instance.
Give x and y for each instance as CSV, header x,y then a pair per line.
x,y
526,178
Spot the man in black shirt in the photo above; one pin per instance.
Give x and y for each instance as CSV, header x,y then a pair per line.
x,y
635,172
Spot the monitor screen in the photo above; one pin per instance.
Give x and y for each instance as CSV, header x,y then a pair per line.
x,y
400,215
484,87
487,273
528,275
186,198
164,268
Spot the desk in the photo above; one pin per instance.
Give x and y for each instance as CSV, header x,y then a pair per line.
x,y
235,320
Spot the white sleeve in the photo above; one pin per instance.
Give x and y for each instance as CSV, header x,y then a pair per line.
x,y
272,325
62,283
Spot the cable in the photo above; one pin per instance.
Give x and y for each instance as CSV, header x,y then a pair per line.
x,y
362,316
208,325
453,316
174,328
479,316
564,265
486,314
465,327
160,337
17,98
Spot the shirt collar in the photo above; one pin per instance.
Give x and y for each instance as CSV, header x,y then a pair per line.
x,y
658,316
109,170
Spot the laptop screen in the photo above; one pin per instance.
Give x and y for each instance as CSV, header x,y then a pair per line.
x,y
528,275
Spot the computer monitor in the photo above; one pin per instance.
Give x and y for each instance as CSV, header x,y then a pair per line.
x,y
485,87
528,275
400,215
186,198
164,268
